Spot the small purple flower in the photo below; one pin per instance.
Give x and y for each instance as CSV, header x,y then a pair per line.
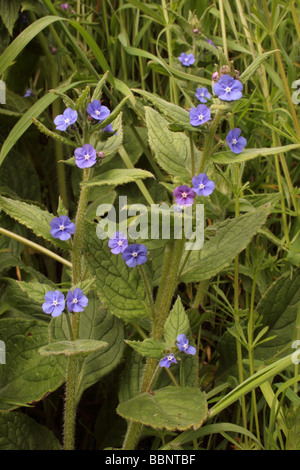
x,y
53,50
54,303
85,156
183,345
186,59
135,254
97,111
63,121
167,361
235,141
109,128
202,94
210,42
76,300
118,243
202,185
184,195
199,115
62,227
100,154
228,89
28,93
64,6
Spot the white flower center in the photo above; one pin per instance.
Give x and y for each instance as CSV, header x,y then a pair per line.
x,y
234,141
120,242
134,254
228,89
55,303
202,94
186,59
185,346
184,194
201,186
67,121
87,156
97,112
74,301
170,358
61,227
200,117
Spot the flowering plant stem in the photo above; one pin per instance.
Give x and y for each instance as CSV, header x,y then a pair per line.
x,y
70,393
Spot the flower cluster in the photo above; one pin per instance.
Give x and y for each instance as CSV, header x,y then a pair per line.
x,y
133,255
85,156
55,302
202,186
183,345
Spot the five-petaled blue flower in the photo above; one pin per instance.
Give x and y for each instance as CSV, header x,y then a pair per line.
x,y
199,115
62,227
183,345
28,93
63,121
54,303
184,196
186,59
235,141
228,89
202,94
202,185
85,156
118,243
109,128
135,254
167,361
76,300
97,111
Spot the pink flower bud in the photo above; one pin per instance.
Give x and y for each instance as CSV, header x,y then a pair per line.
x,y
100,154
215,76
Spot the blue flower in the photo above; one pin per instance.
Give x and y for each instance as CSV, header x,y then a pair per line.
x,y
184,196
28,93
97,111
63,121
199,115
202,94
228,89
109,128
235,141
76,300
135,254
186,59
85,156
210,42
118,243
62,227
183,345
202,185
54,303
167,361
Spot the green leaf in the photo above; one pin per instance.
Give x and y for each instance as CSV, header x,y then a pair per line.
x,y
52,134
35,290
119,287
112,116
9,12
32,217
117,177
172,150
248,154
131,377
150,347
98,324
173,112
79,347
232,236
170,407
279,307
26,376
247,74
177,323
20,432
